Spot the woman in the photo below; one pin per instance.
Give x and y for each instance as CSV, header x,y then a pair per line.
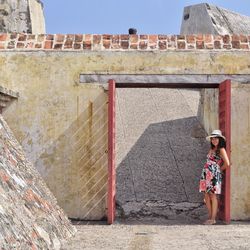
x,y
210,181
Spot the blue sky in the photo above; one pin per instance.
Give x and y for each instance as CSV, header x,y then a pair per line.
x,y
116,16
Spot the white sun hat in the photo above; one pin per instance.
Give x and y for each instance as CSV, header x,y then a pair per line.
x,y
215,133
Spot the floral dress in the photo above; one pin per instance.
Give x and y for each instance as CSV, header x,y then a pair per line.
x,y
210,180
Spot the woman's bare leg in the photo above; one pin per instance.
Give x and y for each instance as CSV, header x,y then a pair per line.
x,y
209,205
214,206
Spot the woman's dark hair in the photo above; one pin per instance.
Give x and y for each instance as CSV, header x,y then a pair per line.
x,y
222,144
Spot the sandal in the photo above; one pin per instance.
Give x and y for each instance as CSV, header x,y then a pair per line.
x,y
209,222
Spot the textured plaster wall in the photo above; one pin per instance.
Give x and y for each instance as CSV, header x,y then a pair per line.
x,y
62,124
240,157
208,109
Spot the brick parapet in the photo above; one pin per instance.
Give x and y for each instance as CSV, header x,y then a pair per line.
x,y
93,42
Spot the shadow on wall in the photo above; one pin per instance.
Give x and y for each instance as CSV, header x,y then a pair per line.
x,y
75,165
163,168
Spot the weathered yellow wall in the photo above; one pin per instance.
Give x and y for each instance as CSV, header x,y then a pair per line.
x,y
62,124
240,157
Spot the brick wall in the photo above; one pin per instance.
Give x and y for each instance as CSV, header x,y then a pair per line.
x,y
123,42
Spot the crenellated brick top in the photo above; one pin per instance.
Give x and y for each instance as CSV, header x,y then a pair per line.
x,y
78,42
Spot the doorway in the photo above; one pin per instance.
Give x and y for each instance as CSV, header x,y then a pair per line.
x,y
224,100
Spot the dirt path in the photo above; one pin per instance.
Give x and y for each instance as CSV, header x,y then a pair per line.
x,y
155,235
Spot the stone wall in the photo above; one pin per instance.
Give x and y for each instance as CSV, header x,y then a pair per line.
x,y
54,115
21,16
29,215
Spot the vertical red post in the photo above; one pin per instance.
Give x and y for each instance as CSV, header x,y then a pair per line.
x,y
111,152
225,127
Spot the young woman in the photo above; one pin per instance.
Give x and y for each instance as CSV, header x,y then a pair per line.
x,y
210,181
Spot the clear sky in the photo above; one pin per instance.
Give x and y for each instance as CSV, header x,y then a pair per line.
x,y
116,16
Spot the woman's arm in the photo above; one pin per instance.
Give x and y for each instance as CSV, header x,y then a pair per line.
x,y
224,156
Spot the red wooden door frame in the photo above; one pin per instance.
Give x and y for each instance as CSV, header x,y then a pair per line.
x,y
111,153
224,125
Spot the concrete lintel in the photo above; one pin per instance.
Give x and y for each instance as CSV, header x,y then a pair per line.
x,y
155,80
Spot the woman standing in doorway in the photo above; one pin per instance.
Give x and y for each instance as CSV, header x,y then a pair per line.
x,y
210,181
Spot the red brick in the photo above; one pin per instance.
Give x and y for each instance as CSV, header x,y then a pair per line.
x,y
20,45
106,44
115,46
134,46
244,46
227,46
68,44
40,38
106,37
190,46
59,38
11,45
78,38
226,39
152,38
124,37
162,37
209,46
86,45
243,39
124,44
218,38
235,38
181,44
152,45
97,39
115,39
48,44
199,37
190,39
3,37
31,37
2,45
236,44
162,45
38,45
58,46
70,37
208,38
77,46
22,37
171,38
50,37
134,38
88,37
217,44
144,37
200,44
143,45
29,45
171,45
180,37
13,35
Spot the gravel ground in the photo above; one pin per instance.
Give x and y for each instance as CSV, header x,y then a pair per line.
x,y
147,235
